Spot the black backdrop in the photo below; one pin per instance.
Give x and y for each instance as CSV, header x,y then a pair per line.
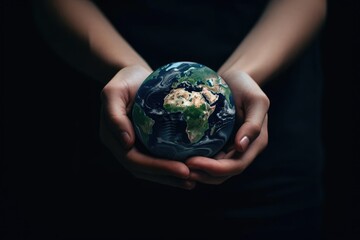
x,y
47,119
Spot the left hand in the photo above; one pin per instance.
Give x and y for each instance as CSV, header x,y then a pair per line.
x,y
251,138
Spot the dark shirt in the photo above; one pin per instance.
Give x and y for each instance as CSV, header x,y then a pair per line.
x,y
286,177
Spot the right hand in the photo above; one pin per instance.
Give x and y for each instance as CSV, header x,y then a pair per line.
x,y
250,139
117,132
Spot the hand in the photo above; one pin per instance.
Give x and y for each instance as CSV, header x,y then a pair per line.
x,y
251,138
117,133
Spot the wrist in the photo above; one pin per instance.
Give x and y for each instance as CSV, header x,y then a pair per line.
x,y
257,71
117,66
228,72
131,61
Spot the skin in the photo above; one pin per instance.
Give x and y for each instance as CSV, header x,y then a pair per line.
x,y
285,28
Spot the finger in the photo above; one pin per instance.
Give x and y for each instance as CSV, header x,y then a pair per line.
x,y
166,180
203,177
215,168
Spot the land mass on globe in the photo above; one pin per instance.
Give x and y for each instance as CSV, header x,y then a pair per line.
x,y
195,108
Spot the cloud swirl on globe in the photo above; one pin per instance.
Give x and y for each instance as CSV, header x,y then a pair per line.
x,y
183,109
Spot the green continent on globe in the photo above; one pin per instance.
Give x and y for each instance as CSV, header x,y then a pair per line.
x,y
194,107
143,121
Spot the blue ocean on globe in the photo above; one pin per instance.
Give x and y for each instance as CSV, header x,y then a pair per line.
x,y
183,109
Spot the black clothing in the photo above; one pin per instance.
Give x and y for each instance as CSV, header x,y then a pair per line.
x,y
284,182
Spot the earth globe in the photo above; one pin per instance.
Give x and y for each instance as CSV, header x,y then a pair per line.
x,y
183,109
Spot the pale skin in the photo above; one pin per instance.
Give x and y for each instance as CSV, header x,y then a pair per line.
x,y
284,29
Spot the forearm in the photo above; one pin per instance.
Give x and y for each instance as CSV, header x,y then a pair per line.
x,y
283,30
79,32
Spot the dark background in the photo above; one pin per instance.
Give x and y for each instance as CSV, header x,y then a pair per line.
x,y
49,124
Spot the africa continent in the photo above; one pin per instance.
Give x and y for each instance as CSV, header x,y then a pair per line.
x,y
195,108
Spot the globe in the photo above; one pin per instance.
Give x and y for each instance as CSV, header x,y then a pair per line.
x,y
183,109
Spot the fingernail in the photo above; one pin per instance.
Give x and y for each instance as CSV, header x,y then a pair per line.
x,y
125,138
244,143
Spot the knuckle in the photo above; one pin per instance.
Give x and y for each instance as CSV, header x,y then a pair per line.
x,y
263,99
113,119
111,88
255,128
